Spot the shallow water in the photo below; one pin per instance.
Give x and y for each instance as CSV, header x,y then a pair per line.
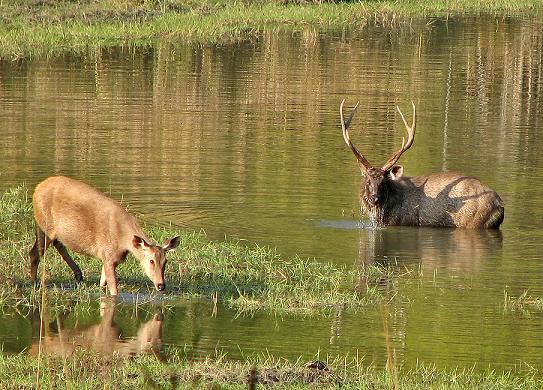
x,y
244,141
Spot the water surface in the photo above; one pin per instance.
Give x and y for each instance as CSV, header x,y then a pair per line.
x,y
244,141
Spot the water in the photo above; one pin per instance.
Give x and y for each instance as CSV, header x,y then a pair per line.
x,y
244,141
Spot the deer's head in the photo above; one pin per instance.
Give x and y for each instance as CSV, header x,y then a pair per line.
x,y
377,180
153,258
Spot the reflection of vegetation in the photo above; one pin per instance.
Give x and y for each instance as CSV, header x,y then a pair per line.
x,y
86,370
205,112
32,27
523,302
247,277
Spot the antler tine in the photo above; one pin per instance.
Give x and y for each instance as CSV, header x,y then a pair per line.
x,y
348,122
410,129
344,126
405,145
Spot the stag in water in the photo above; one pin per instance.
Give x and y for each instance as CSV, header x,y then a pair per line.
x,y
444,199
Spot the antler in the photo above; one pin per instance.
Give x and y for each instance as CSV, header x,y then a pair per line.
x,y
405,145
344,126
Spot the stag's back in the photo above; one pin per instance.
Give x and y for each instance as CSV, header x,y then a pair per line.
x,y
81,217
451,199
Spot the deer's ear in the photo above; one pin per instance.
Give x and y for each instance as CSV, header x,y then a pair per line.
x,y
396,172
139,242
362,169
171,244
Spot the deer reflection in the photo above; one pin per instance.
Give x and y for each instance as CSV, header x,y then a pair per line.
x,y
54,338
454,249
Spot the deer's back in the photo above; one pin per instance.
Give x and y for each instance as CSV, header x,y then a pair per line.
x,y
81,217
451,199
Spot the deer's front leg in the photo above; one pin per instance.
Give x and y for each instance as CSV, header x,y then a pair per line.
x,y
103,280
109,277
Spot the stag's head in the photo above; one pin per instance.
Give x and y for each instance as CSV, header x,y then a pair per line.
x,y
377,180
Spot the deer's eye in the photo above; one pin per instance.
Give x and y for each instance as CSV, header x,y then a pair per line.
x,y
152,262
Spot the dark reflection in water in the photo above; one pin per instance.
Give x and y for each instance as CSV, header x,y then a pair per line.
x,y
453,249
245,141
52,336
188,329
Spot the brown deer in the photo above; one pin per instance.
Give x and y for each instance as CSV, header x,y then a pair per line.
x,y
443,199
71,214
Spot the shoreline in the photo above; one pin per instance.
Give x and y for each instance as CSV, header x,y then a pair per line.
x,y
46,29
91,370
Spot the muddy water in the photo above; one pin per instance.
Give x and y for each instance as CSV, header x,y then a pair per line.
x,y
244,141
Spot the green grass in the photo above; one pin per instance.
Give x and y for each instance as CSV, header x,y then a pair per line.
x,y
86,370
37,28
246,277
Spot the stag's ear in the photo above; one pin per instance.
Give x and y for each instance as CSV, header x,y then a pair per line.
x,y
362,169
396,172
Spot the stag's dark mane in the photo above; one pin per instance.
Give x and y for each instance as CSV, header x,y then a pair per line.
x,y
389,204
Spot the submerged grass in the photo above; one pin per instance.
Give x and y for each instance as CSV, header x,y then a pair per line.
x,y
33,28
241,276
86,370
523,302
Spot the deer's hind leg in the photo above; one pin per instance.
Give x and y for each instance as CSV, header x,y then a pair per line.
x,y
68,259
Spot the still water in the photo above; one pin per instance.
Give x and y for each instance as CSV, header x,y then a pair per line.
x,y
244,141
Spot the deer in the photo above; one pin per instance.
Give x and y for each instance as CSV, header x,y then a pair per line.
x,y
443,199
70,214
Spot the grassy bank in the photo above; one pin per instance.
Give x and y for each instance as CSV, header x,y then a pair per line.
x,y
91,371
247,277
35,28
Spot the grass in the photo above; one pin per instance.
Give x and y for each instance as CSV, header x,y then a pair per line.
x,y
37,28
86,370
246,277
523,302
